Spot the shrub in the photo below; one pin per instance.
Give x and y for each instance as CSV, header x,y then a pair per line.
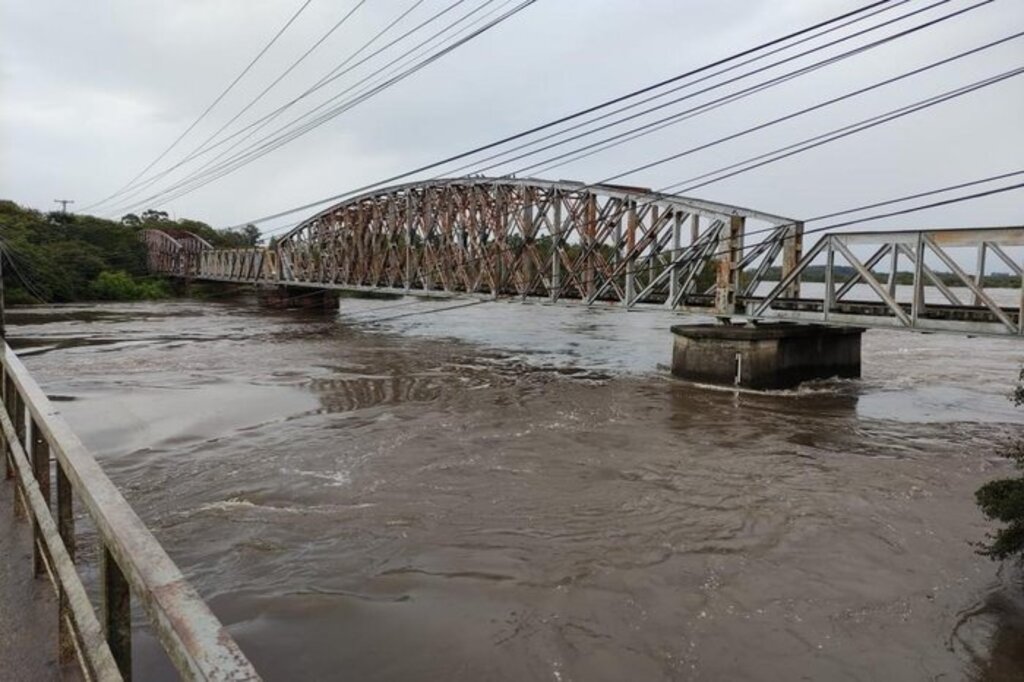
x,y
1003,499
119,286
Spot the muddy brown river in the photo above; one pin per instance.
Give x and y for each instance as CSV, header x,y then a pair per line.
x,y
417,490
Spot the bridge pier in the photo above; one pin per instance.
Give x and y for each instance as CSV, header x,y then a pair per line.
x,y
281,297
769,356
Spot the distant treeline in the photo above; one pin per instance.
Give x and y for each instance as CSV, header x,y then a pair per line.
x,y
57,257
842,273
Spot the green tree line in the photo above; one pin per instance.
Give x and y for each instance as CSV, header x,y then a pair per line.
x,y
58,257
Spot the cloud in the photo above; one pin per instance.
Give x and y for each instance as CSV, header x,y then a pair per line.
x,y
92,92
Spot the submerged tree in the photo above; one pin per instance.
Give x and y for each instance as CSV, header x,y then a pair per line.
x,y
1003,499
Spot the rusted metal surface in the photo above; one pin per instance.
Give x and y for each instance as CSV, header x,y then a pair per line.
x,y
490,237
117,613
134,563
566,241
171,250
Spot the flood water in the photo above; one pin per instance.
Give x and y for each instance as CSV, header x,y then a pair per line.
x,y
417,490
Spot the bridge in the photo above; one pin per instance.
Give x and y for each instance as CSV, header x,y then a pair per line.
x,y
624,246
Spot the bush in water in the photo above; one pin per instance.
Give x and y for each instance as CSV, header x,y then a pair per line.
x,y
119,286
1003,499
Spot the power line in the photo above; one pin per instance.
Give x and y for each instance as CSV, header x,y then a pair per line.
x,y
273,115
859,127
729,68
686,114
203,146
201,177
919,195
325,80
577,114
707,77
210,107
845,131
834,134
775,121
284,73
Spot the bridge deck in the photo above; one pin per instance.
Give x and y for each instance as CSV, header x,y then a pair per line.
x,y
28,606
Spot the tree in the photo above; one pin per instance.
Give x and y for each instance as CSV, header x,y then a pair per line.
x,y
1003,499
153,216
252,234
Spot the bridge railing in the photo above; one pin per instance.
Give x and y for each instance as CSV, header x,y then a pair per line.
x,y
44,456
250,265
948,273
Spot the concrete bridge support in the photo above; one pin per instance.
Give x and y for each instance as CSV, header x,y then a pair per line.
x,y
765,356
281,297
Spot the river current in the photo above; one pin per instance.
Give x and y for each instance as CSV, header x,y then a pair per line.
x,y
427,490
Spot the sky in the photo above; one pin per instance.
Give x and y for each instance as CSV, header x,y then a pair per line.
x,y
91,93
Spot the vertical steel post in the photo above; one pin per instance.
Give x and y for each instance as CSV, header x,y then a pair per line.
x,y
894,261
117,613
1020,308
556,244
917,304
979,278
792,251
830,292
41,469
526,263
728,273
631,223
677,238
694,229
589,245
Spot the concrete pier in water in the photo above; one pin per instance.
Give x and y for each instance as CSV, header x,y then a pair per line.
x,y
297,297
764,356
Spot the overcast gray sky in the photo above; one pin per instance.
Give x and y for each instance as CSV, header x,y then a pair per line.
x,y
91,92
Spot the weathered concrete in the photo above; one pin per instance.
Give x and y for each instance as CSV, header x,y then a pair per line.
x,y
28,606
764,356
297,297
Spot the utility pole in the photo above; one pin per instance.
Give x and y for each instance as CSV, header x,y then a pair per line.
x,y
3,328
64,204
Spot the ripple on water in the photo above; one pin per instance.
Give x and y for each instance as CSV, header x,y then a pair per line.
x,y
534,497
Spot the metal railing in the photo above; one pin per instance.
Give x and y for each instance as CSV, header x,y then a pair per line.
x,y
878,268
132,563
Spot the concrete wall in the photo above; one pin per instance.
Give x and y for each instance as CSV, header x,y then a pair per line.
x,y
766,356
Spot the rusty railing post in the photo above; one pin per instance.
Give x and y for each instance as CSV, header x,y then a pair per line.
x,y
18,417
8,458
792,251
728,273
66,530
41,470
117,613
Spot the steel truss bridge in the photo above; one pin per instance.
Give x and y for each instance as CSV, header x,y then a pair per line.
x,y
625,246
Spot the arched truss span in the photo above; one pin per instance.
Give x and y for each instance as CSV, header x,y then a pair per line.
x,y
525,237
174,251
